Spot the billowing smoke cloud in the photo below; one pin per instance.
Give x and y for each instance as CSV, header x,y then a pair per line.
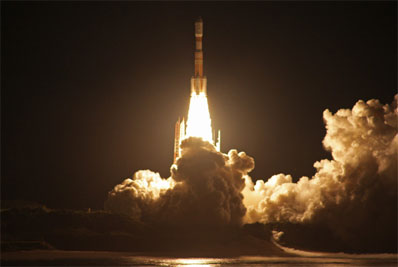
x,y
355,193
204,189
137,197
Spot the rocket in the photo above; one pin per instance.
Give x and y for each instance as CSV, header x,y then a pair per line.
x,y
198,81
198,87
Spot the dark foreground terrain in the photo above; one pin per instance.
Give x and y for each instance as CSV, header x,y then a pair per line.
x,y
40,228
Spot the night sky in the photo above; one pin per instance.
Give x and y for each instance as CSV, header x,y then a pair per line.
x,y
91,90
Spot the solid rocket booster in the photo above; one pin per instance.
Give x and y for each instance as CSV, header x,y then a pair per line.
x,y
198,82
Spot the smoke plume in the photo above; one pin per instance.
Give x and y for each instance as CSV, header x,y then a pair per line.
x,y
354,194
204,189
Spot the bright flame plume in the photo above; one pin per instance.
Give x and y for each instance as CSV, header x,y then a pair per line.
x,y
199,122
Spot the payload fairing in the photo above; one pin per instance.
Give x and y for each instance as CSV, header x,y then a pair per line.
x,y
199,122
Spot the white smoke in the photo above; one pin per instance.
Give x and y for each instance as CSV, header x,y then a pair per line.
x,y
136,197
352,194
363,142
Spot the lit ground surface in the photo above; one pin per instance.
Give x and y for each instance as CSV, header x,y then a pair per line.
x,y
94,258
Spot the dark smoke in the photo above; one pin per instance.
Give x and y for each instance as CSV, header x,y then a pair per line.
x,y
204,189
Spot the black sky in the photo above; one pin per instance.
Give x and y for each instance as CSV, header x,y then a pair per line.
x,y
91,90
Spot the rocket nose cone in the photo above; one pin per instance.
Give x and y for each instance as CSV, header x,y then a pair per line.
x,y
199,19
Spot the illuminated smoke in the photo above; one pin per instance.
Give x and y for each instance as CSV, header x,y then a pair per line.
x,y
355,193
136,197
204,189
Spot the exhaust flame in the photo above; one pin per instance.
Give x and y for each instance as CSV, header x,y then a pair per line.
x,y
199,122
